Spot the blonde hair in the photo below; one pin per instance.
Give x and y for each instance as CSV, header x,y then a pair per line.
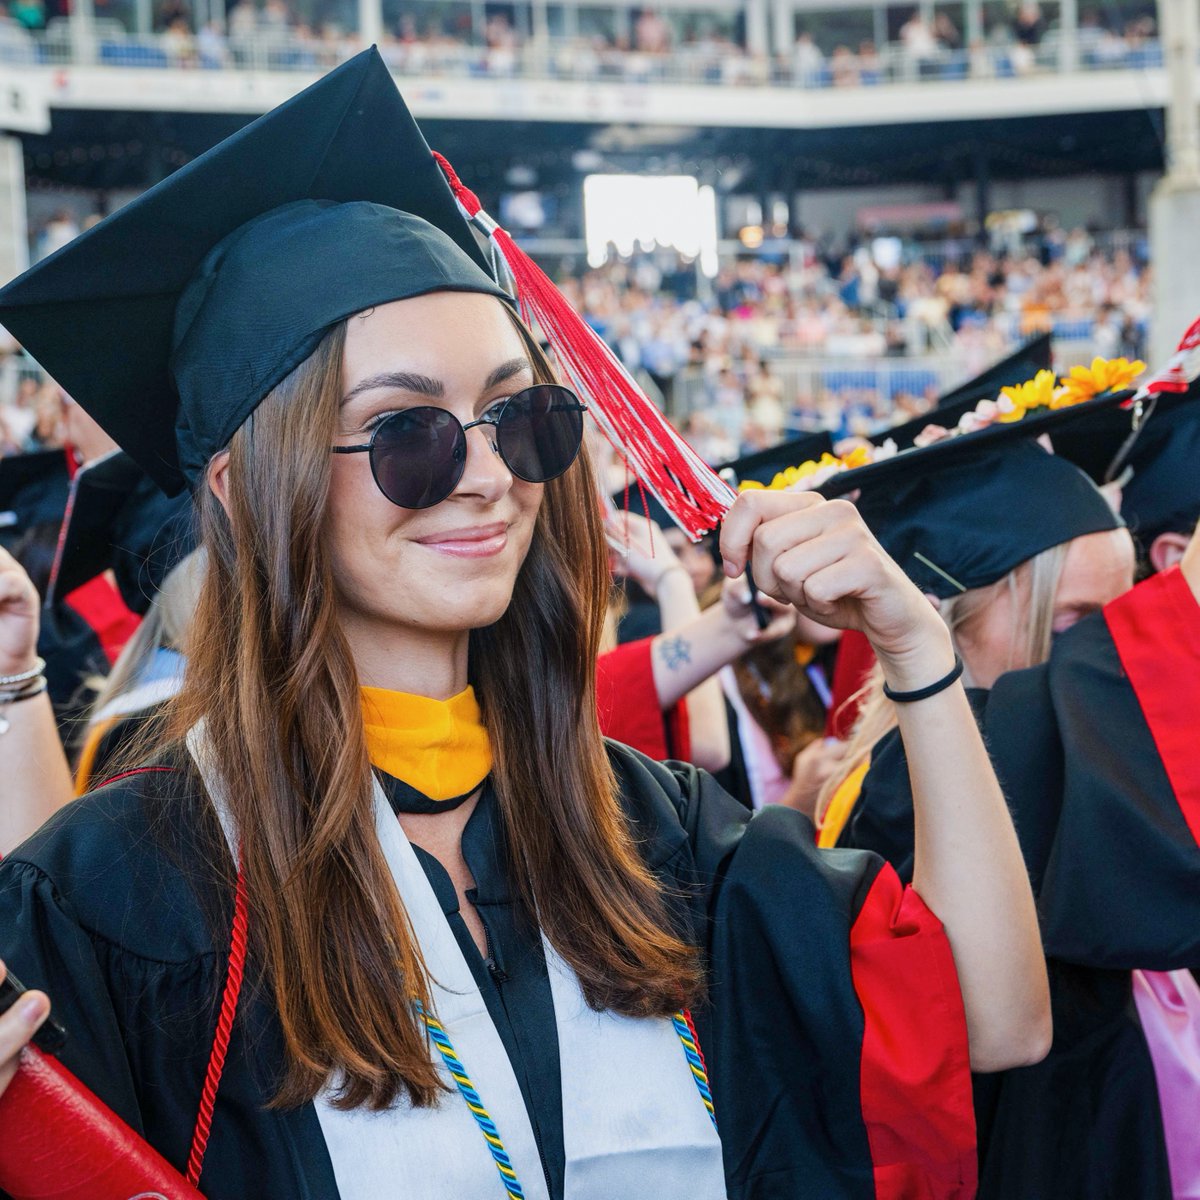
x,y
1031,588
164,626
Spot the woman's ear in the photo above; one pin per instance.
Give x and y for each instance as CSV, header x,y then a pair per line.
x,y
217,478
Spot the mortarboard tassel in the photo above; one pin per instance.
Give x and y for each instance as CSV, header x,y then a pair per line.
x,y
680,479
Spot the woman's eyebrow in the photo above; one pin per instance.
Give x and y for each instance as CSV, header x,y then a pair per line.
x,y
505,372
405,381
433,389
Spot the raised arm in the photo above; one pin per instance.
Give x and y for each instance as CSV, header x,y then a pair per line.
x,y
34,777
645,556
818,555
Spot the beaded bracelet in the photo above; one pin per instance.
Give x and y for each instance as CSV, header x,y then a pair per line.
x,y
932,690
8,681
35,687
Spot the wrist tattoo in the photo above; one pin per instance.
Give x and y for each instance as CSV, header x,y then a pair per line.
x,y
675,652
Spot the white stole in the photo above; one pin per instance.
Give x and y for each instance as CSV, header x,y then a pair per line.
x,y
633,1121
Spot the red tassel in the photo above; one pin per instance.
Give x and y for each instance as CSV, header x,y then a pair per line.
x,y
681,480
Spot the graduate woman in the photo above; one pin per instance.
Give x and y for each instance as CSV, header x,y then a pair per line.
x,y
386,915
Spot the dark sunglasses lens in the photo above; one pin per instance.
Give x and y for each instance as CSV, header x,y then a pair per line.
x,y
539,432
418,455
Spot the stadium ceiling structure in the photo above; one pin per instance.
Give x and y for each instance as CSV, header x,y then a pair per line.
x,y
103,151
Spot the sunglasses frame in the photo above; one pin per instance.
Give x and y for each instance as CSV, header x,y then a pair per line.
x,y
493,418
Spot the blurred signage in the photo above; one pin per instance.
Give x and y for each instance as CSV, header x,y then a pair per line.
x,y
909,216
23,106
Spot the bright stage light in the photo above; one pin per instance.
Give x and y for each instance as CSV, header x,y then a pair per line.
x,y
629,212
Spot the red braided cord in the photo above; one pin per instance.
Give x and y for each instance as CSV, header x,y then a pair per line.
x,y
220,1047
462,193
687,1016
135,771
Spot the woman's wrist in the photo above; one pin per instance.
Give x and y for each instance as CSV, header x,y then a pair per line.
x,y
927,661
673,577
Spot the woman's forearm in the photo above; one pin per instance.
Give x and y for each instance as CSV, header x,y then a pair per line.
x,y
707,723
676,599
968,868
35,780
692,653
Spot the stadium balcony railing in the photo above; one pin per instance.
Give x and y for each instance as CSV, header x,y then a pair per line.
x,y
107,43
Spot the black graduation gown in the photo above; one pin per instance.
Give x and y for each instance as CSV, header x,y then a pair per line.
x,y
1088,754
815,959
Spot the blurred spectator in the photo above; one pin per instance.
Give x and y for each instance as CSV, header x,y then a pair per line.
x,y
60,229
808,62
31,14
1029,26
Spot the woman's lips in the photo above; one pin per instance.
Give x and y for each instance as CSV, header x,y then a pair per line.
x,y
477,541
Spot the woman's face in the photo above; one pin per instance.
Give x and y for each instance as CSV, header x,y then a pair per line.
x,y
1098,568
452,567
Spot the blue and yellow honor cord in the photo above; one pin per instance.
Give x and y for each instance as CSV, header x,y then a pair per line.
x,y
491,1135
695,1059
487,1126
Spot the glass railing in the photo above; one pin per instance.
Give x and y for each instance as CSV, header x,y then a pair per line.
x,y
107,43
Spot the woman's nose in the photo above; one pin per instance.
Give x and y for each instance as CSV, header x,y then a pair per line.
x,y
485,474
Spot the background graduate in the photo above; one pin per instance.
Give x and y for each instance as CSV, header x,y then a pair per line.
x,y
478,943
1018,547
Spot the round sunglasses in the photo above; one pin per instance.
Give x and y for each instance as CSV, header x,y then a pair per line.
x,y
418,455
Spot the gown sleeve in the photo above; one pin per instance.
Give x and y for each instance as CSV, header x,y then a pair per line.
x,y
131,946
1122,887
627,704
834,1029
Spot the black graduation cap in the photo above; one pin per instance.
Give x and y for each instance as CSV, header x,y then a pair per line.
x,y
763,465
118,518
170,320
1158,463
1023,364
33,491
641,500
963,512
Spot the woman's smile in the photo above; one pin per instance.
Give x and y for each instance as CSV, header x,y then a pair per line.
x,y
474,541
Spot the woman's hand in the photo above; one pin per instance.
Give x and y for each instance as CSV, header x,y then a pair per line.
x,y
641,551
811,769
19,607
17,1026
819,555
736,603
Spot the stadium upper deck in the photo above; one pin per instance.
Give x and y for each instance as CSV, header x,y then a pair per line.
x,y
708,63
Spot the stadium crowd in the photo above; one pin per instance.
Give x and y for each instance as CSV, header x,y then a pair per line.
x,y
763,348
250,588
698,47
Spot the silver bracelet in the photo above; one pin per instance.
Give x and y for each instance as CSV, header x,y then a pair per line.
x,y
36,687
7,681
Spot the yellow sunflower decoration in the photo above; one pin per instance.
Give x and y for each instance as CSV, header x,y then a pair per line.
x,y
860,456
1017,400
1104,375
1013,403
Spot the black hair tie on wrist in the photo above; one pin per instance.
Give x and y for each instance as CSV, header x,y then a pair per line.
x,y
932,690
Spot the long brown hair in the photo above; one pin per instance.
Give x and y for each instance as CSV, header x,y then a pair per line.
x,y
271,675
